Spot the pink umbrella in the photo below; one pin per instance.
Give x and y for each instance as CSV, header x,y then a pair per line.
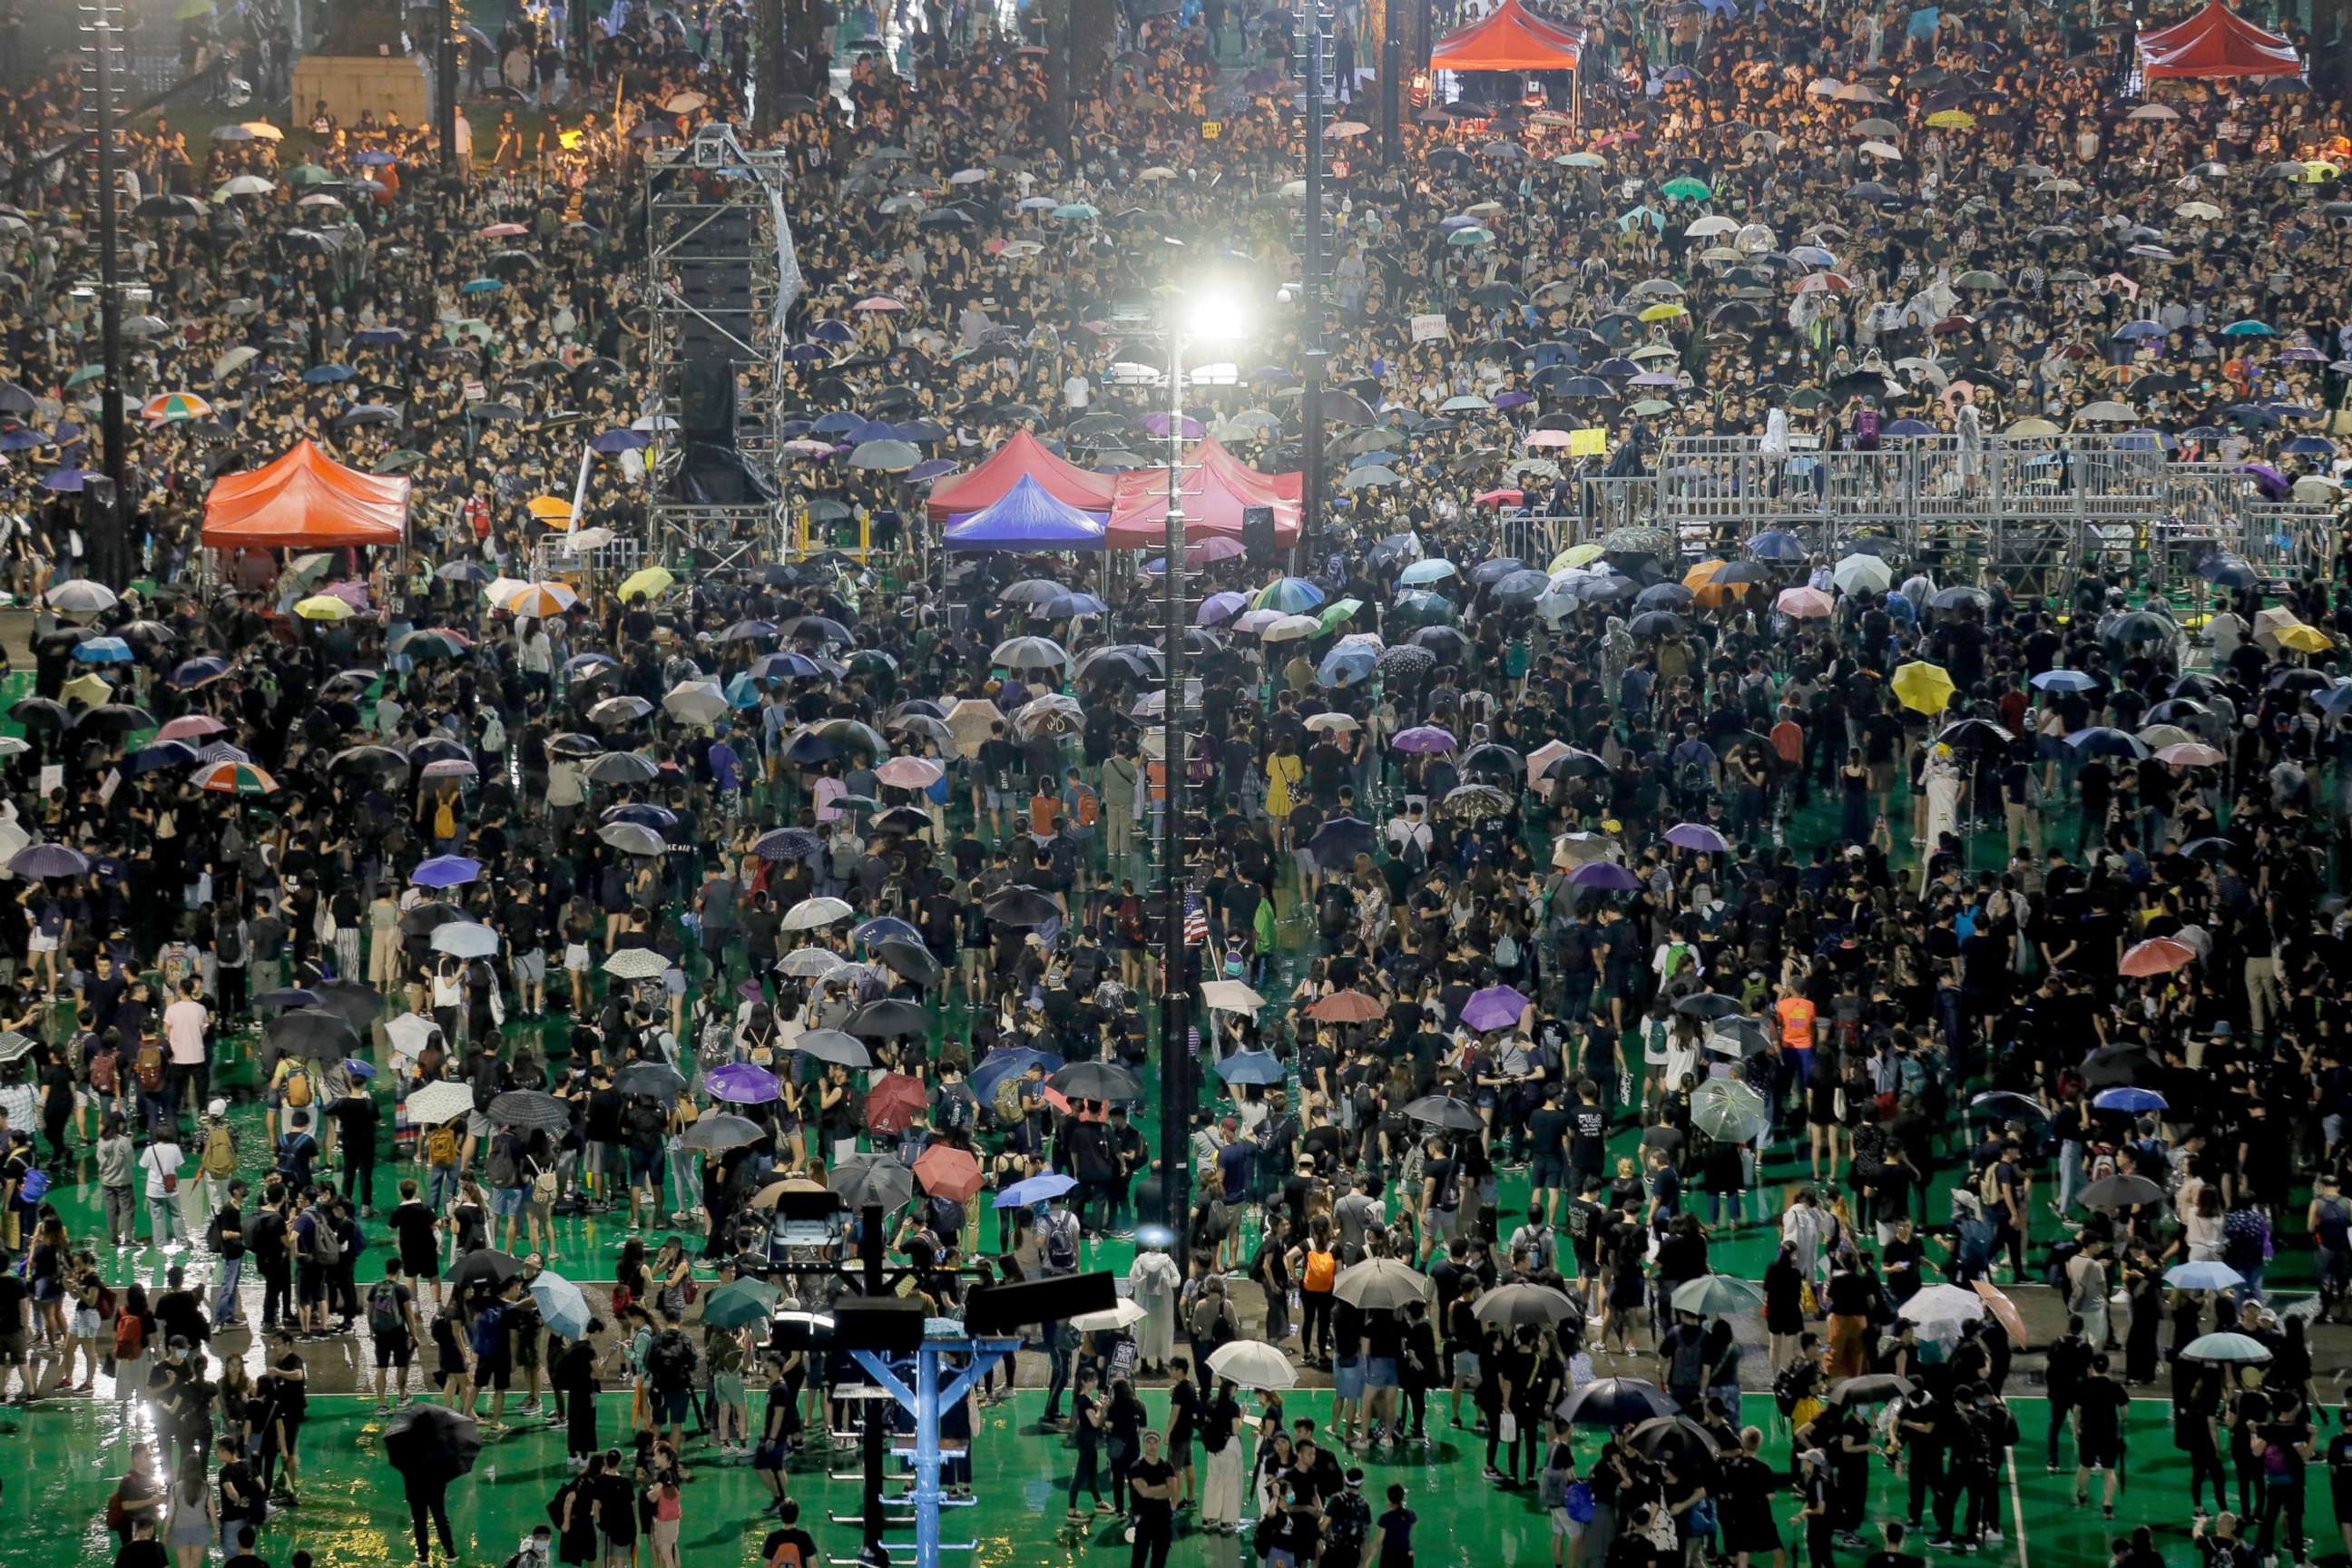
x,y
2190,754
1803,604
351,591
504,231
1550,438
2157,955
910,772
191,726
880,302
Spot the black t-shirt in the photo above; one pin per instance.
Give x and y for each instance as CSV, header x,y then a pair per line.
x,y
142,1555
2102,1401
412,1224
1546,1127
1153,1516
1588,1137
802,1543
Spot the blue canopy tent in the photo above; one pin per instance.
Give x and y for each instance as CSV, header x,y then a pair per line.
x,y
1026,518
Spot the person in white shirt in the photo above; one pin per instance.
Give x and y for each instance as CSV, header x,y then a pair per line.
x,y
1077,391
160,1161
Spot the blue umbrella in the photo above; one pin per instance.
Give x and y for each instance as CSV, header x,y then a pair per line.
x,y
561,1307
326,375
2336,700
481,286
883,928
65,482
2127,1099
446,871
1347,665
1289,595
373,159
2063,681
23,439
613,442
48,860
1421,573
1253,1067
104,650
2207,1276
1035,1190
785,666
195,672
1062,606
380,337
2103,740
163,754
355,1068
474,572
998,1063
742,691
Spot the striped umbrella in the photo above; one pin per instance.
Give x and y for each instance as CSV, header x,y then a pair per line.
x,y
174,405
541,599
236,778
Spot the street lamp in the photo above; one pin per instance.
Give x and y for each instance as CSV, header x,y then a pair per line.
x,y
1209,317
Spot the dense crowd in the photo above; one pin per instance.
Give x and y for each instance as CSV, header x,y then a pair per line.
x,y
1593,959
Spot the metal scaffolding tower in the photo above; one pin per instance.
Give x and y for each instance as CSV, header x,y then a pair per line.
x,y
1317,102
720,275
106,505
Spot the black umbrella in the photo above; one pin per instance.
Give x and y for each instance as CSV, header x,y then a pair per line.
x,y
483,1265
1444,1110
2122,1192
1022,907
355,1001
715,1134
432,1442
428,918
1678,1435
911,960
1494,763
1610,1402
1708,1005
832,1046
312,1033
1874,1389
1527,1306
1105,1081
653,1080
872,1181
529,1108
893,1016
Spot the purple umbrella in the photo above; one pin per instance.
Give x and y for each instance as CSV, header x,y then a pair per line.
x,y
1423,738
1218,608
1513,399
1697,835
1496,1008
446,871
741,1083
1606,875
1158,425
2273,485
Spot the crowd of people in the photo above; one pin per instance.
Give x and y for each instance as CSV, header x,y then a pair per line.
x,y
1592,961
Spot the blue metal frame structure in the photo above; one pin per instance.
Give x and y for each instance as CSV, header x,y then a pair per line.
x,y
925,1400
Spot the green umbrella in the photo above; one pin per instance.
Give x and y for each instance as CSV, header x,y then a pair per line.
x,y
1473,235
1650,405
394,462
1338,611
304,173
1687,188
85,375
1717,1296
737,1302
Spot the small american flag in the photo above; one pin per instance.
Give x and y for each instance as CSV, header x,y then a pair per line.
x,y
1196,922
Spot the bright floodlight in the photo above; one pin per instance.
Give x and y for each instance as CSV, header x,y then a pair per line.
x,y
1215,317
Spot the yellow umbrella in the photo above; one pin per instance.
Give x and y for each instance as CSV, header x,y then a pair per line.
x,y
549,509
1924,688
1665,311
2304,638
1700,576
89,689
1576,555
2317,169
541,599
323,607
651,581
1952,120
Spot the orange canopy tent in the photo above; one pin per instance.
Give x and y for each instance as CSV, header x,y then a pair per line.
x,y
1024,456
305,500
2216,43
1509,38
1215,486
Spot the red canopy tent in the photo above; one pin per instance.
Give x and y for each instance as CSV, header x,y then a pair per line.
x,y
2216,43
1509,38
305,500
1024,456
1216,487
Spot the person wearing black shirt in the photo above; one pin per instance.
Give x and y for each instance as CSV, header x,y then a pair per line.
x,y
2282,1448
2100,1403
788,1545
1221,1472
1152,1481
1548,1128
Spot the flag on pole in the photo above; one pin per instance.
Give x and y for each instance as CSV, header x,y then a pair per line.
x,y
1196,922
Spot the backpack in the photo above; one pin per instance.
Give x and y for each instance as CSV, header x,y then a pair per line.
x,y
955,1109
383,1310
219,1156
33,1189
326,1248
1062,1242
544,1191
441,1145
1690,779
788,1555
716,1048
105,1071
2054,1271
229,943
1507,951
1794,1381
1005,1102
296,1086
1577,1502
669,1362
1865,426
149,1066
1322,1268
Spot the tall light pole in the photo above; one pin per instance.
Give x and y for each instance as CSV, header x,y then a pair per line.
x,y
1208,318
109,556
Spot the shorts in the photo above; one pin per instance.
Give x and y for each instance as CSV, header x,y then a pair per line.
x,y
505,1202
498,1375
1545,1173
1465,1367
86,1324
727,1388
644,1165
2100,1457
394,1348
769,1456
575,957
1347,1379
310,1284
41,942
996,799
1381,1371
12,1348
530,966
477,1125
1564,1527
673,981
670,1406
1441,1222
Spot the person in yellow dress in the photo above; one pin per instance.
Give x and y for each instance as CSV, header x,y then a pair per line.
x,y
1284,771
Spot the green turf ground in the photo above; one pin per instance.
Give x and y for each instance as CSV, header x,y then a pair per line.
x,y
351,1515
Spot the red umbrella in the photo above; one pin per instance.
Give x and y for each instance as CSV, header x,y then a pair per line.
x,y
2157,955
2004,1312
894,1102
949,1173
1503,498
1346,1007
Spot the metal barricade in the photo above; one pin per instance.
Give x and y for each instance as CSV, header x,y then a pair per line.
x,y
617,560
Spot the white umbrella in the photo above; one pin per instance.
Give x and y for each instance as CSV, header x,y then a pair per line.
x,y
1943,1304
1123,1314
696,701
1252,1363
465,939
636,964
1861,574
1231,996
409,1032
811,962
438,1102
811,913
1289,628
